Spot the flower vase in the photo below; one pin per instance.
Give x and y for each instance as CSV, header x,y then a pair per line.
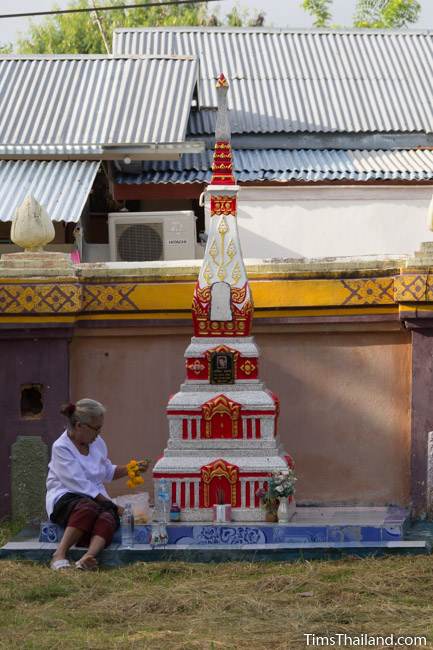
x,y
286,509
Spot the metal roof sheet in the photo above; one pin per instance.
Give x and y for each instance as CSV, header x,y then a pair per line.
x,y
314,81
62,187
287,165
94,100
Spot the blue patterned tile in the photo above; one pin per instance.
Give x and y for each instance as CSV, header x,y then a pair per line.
x,y
224,535
175,533
344,533
142,534
370,534
248,534
49,533
392,533
298,534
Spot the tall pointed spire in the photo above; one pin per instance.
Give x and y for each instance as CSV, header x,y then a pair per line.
x,y
222,166
222,304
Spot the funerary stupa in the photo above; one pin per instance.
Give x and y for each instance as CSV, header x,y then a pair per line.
x,y
223,443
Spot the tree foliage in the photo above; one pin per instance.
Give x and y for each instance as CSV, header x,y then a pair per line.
x,y
320,10
84,33
375,14
388,14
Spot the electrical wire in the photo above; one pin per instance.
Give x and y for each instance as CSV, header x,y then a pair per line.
x,y
110,8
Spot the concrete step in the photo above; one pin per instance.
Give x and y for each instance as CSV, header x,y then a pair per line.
x,y
117,555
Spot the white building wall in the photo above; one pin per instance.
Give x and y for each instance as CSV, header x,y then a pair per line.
x,y
332,221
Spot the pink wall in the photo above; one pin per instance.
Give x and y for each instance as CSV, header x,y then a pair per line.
x,y
344,403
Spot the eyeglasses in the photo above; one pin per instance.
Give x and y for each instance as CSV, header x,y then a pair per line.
x,y
89,426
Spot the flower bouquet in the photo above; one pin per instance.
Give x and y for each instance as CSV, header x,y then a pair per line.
x,y
281,485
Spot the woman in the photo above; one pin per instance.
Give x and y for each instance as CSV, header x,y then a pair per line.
x,y
76,497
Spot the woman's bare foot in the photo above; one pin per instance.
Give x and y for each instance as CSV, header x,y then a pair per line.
x,y
87,562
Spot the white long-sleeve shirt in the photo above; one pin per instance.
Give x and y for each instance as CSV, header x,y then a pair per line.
x,y
70,471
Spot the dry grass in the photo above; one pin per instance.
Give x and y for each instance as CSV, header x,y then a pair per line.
x,y
181,606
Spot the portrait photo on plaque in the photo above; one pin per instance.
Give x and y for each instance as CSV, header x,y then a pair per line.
x,y
222,370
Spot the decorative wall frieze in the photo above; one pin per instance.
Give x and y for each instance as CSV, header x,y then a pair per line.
x,y
40,298
369,291
84,297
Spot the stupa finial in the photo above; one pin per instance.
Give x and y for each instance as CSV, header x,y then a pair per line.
x,y
222,166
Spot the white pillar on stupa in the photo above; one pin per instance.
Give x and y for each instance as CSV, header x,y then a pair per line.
x,y
223,440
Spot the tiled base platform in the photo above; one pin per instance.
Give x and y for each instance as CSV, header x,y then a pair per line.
x,y
312,533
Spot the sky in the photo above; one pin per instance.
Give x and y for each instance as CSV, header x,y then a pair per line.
x,y
279,13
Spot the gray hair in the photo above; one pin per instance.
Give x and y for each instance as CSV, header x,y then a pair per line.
x,y
83,411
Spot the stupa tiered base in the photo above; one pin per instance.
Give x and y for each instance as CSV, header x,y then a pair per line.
x,y
223,444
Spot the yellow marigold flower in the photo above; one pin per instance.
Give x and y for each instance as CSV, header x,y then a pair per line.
x,y
140,480
130,484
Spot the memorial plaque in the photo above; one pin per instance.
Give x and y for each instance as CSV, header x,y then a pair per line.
x,y
222,368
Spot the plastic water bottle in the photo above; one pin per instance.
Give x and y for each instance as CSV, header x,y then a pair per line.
x,y
163,495
127,526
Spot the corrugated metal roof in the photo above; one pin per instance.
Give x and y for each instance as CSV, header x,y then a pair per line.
x,y
62,187
288,165
39,150
314,81
94,100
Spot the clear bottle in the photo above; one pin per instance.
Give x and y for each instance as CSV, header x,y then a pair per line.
x,y
163,498
127,526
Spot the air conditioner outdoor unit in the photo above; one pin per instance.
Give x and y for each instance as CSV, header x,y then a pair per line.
x,y
148,236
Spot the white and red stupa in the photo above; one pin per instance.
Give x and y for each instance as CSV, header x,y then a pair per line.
x,y
223,442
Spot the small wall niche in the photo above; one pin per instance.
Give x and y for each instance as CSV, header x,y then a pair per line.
x,y
32,404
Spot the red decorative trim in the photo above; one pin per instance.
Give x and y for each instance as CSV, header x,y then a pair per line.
x,y
247,494
176,475
184,429
198,411
179,475
277,409
183,412
222,205
256,498
248,368
197,368
258,430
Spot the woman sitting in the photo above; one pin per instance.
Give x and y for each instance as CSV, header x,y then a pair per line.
x,y
76,497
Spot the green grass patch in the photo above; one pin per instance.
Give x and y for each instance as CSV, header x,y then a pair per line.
x,y
233,606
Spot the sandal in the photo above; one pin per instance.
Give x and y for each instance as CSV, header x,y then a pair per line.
x,y
59,565
80,565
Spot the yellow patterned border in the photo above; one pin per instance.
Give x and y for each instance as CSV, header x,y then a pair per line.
x,y
40,298
412,288
174,298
